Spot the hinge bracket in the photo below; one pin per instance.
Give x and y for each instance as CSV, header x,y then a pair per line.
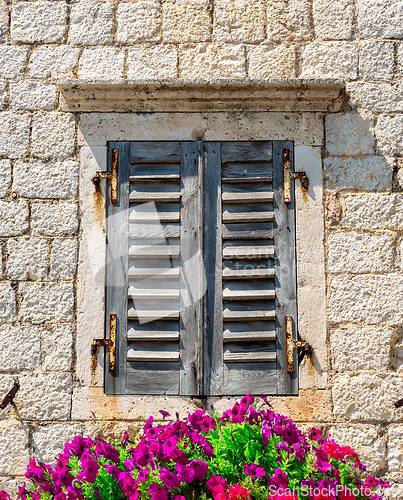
x,y
292,344
113,176
289,176
110,343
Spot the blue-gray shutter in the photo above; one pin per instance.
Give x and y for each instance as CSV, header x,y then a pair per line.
x,y
226,198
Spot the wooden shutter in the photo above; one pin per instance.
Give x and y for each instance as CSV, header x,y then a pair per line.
x,y
249,240
225,198
155,233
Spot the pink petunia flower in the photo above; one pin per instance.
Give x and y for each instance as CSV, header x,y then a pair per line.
x,y
158,492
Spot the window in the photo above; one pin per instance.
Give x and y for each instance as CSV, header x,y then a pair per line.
x,y
201,268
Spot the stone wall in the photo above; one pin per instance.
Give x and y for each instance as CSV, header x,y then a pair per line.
x,y
42,218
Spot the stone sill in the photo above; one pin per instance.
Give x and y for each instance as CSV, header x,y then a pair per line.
x,y
202,96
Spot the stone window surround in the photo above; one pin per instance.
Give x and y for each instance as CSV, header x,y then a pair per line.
x,y
95,131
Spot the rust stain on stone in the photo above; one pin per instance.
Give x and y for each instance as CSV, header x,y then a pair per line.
x,y
99,204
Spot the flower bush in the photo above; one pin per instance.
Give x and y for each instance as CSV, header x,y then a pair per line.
x,y
249,452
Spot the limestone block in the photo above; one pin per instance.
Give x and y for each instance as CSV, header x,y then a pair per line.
x,y
367,396
13,218
395,448
366,442
349,135
333,20
39,21
3,95
113,430
44,396
288,20
11,485
370,173
333,210
27,258
388,132
5,177
14,448
376,59
3,21
372,299
95,129
46,302
53,62
153,62
239,20
271,62
330,60
63,262
54,179
380,18
139,20
49,440
20,348
395,492
374,211
354,252
12,61
7,302
186,20
15,126
53,135
375,97
57,343
52,219
91,22
32,95
361,348
102,63
212,61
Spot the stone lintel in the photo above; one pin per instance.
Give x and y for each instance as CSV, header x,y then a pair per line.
x,y
201,96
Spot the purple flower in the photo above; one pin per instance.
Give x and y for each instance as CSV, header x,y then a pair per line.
x,y
200,469
141,454
127,483
4,495
169,446
156,449
253,470
63,477
176,497
215,480
114,471
158,492
282,446
266,432
185,473
279,478
169,479
164,414
321,464
90,468
142,475
315,434
79,445
247,400
73,493
207,423
108,451
194,418
237,413
148,424
129,464
265,400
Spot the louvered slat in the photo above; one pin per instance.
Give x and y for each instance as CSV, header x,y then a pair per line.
x,y
248,315
248,294
230,274
249,197
247,216
250,357
153,272
248,336
248,252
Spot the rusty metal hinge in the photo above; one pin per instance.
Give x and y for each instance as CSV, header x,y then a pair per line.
x,y
289,176
10,395
110,343
292,344
113,176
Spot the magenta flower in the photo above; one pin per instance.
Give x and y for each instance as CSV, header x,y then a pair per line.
x,y
179,497
158,492
4,495
90,468
169,479
200,469
254,470
315,434
63,477
113,470
142,455
170,445
215,480
164,414
279,478
185,473
127,483
107,450
73,493
78,445
142,475
247,400
207,423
